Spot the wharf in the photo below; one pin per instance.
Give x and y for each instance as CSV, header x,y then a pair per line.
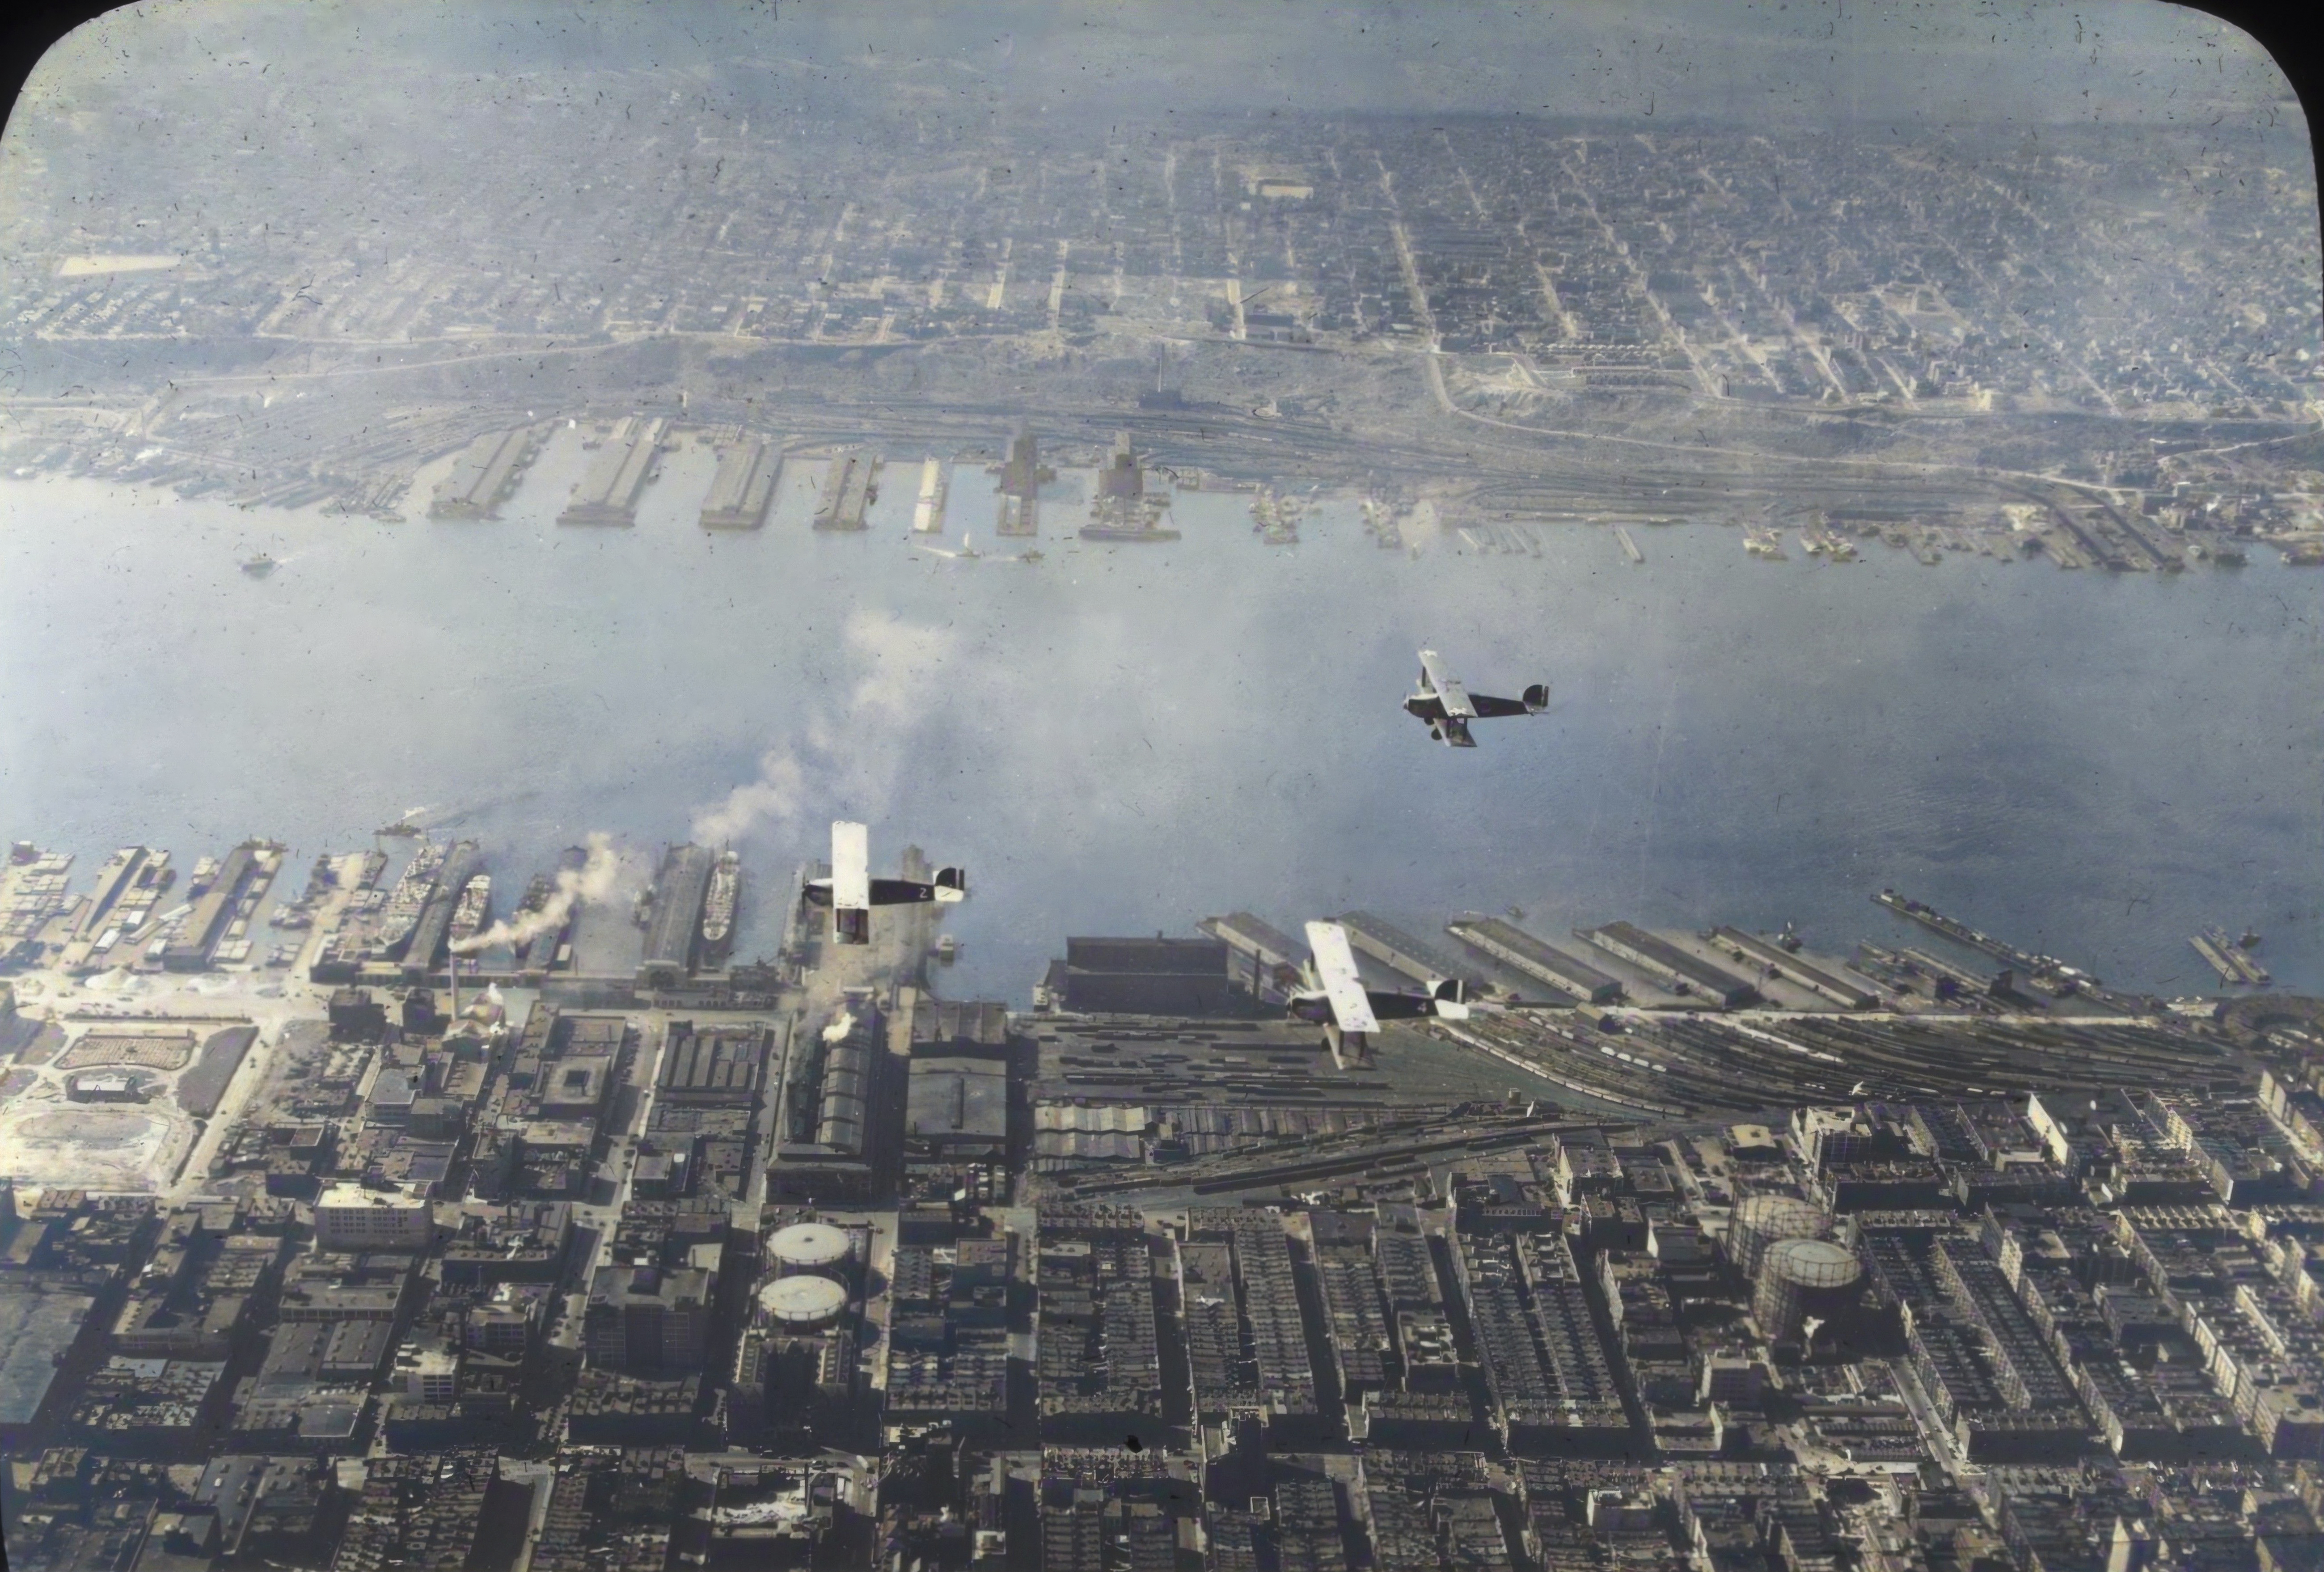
x,y
1019,516
744,488
1401,952
928,513
2236,968
1126,533
846,492
1668,965
609,494
1515,947
485,476
1963,934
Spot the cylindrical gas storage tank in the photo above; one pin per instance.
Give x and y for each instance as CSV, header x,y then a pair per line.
x,y
803,1303
810,1247
1758,1221
1800,1278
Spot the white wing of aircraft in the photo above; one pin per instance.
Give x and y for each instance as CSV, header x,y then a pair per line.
x,y
1335,996
851,891
1448,708
1335,970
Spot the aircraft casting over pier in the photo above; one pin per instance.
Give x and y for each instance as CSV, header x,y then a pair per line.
x,y
851,891
1336,999
1448,708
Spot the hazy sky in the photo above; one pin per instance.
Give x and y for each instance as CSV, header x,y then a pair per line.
x,y
1942,61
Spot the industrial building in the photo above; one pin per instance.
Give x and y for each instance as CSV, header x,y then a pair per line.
x,y
952,1027
647,1320
1669,965
1146,976
358,1218
834,1109
1513,947
744,487
715,1066
609,494
956,1110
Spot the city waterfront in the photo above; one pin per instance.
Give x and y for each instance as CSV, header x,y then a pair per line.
x,y
1113,738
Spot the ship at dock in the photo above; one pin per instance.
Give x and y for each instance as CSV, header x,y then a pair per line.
x,y
409,896
475,905
536,899
719,906
2047,973
2227,957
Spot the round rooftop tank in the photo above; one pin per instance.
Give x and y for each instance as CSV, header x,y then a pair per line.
x,y
1758,1221
802,1303
1800,1278
808,1247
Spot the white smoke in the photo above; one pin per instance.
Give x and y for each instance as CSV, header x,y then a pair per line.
x,y
592,881
850,754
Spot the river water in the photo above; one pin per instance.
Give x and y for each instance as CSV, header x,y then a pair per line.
x,y
1126,738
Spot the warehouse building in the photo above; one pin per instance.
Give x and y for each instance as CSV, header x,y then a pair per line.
x,y
356,1217
609,494
213,913
678,894
744,488
1778,962
484,476
1258,954
1394,948
1513,947
1146,976
1668,965
956,1110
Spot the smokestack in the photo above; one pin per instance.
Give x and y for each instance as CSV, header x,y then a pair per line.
x,y
454,1013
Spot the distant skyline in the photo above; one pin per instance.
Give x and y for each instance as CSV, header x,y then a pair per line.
x,y
2137,62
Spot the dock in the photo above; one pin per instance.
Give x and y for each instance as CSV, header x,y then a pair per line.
x,y
1776,961
610,493
1968,937
484,476
848,491
1629,546
1521,951
1400,952
745,489
2236,968
1670,966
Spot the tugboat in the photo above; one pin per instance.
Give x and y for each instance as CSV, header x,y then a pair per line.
x,y
260,566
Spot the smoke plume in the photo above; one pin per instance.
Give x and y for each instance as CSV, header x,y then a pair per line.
x,y
849,754
594,880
